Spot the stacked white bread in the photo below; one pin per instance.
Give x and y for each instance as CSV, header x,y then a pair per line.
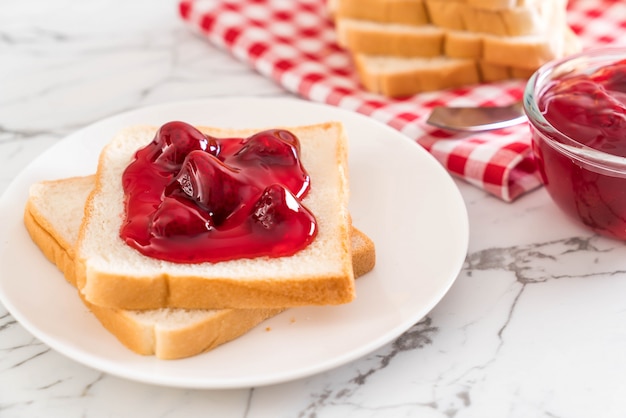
x,y
403,47
53,216
110,273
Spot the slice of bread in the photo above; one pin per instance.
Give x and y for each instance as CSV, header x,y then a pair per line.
x,y
504,38
493,72
496,17
53,215
447,14
529,52
380,39
463,44
547,39
373,38
408,12
397,76
508,50
110,273
510,22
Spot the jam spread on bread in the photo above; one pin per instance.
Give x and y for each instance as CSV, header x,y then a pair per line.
x,y
193,198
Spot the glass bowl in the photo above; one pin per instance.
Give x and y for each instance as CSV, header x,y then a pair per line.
x,y
576,109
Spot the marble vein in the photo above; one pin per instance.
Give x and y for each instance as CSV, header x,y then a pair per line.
x,y
557,259
6,321
418,336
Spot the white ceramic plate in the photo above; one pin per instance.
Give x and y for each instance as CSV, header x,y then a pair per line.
x,y
400,196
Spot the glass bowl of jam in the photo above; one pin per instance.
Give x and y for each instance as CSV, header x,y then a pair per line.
x,y
576,109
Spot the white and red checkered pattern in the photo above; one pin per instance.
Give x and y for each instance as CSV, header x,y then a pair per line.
x,y
294,43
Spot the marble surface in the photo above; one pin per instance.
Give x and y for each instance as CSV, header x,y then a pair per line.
x,y
534,326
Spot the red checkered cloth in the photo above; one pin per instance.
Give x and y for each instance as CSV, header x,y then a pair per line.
x,y
294,43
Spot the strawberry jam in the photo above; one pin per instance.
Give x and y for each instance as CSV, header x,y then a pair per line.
x,y
193,198
582,160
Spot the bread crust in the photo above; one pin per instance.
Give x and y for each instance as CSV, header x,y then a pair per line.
x,y
497,4
56,250
410,80
447,14
220,327
535,51
463,44
494,18
409,12
197,292
510,22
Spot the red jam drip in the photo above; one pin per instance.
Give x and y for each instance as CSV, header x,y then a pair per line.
x,y
193,198
591,109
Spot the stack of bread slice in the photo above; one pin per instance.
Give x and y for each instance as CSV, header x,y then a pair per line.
x,y
175,310
403,47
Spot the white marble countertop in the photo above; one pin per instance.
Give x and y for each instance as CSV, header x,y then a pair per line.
x,y
534,326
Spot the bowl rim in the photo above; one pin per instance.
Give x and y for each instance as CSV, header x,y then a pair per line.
x,y
538,123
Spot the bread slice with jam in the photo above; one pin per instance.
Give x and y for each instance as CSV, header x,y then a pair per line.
x,y
111,273
53,215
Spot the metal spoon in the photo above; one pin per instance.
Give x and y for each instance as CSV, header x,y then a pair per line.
x,y
477,118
